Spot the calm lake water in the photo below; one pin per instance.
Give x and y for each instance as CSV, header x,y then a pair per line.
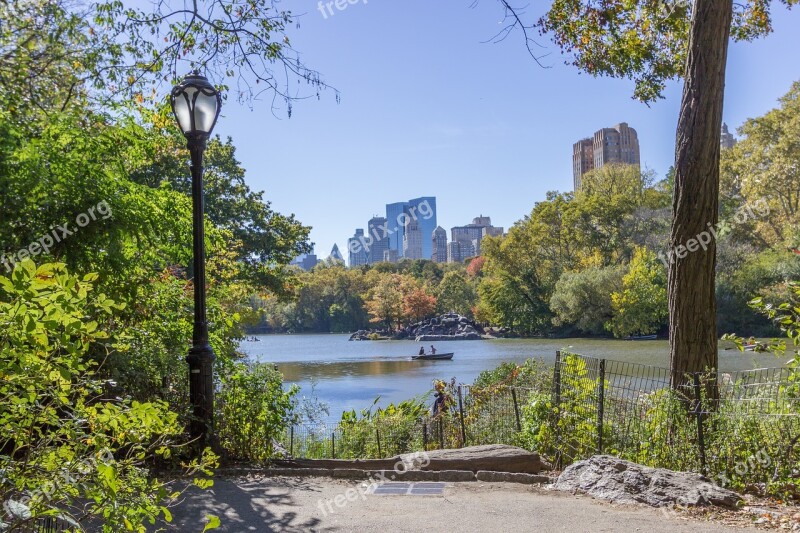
x,y
350,375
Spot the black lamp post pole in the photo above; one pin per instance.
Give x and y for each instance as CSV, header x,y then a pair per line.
x,y
201,355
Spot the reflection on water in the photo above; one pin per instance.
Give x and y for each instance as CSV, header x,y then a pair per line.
x,y
350,375
295,372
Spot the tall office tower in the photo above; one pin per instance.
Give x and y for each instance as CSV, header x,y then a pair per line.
x,y
473,234
424,211
412,240
395,220
356,251
582,160
391,256
619,144
458,251
336,255
726,140
454,252
439,243
380,239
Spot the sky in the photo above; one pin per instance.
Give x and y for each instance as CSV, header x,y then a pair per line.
x,y
430,108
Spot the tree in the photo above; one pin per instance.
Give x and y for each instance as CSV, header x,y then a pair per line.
x,y
418,304
652,42
54,52
583,299
456,294
764,168
384,301
640,308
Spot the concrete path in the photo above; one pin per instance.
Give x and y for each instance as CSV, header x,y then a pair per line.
x,y
319,504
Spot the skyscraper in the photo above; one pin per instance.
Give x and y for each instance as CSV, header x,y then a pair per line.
x,y
380,240
356,251
619,144
395,215
422,210
439,243
726,140
336,255
582,160
471,235
412,239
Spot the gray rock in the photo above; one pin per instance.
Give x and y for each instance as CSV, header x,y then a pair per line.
x,y
621,481
495,457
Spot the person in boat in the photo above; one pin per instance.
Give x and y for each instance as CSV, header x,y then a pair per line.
x,y
421,350
433,350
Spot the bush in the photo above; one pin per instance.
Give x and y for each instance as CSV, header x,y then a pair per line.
x,y
253,411
66,450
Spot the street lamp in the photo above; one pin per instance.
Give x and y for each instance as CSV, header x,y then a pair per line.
x,y
196,105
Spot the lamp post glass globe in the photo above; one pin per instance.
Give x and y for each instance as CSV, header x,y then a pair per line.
x,y
196,105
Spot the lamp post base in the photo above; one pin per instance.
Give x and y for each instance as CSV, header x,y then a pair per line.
x,y
201,393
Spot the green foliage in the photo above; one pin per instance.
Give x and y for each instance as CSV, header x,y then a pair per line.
x,y
762,171
642,40
57,52
456,294
64,444
640,308
254,411
583,299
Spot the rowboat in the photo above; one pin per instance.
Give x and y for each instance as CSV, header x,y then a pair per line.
x,y
642,338
433,357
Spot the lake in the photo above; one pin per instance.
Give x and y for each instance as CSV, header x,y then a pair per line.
x,y
350,375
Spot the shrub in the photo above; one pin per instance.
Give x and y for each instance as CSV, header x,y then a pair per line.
x,y
253,410
66,450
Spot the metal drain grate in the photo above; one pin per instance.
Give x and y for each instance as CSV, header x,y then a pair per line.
x,y
409,489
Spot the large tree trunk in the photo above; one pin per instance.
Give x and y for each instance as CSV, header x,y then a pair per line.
x,y
692,304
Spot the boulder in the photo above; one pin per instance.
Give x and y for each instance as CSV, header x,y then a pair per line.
x,y
622,481
495,457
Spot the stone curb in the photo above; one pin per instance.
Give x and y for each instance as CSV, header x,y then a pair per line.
x,y
454,476
510,477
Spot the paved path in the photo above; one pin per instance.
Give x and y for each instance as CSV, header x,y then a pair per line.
x,y
310,504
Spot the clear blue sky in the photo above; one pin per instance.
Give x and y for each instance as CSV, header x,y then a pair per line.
x,y
429,109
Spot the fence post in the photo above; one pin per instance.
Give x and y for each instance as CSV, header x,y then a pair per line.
x,y
461,417
516,407
378,437
698,409
333,445
601,390
424,435
557,403
291,441
557,380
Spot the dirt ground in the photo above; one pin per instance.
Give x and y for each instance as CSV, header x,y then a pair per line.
x,y
254,503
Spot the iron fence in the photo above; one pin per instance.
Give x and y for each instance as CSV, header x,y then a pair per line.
x,y
731,425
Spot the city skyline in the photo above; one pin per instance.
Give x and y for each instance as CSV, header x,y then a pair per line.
x,y
426,116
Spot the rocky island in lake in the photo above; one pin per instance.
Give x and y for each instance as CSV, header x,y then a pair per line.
x,y
449,327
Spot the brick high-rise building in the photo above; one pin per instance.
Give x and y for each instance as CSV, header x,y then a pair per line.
x,y
582,160
619,144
